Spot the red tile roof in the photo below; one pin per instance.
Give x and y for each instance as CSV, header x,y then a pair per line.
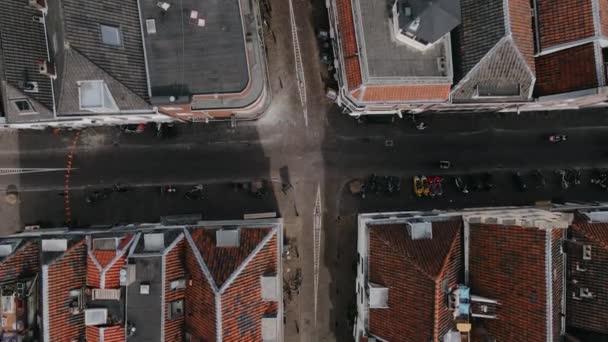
x,y
521,27
412,271
508,264
174,269
597,232
564,21
112,276
200,315
567,70
112,270
222,262
242,304
603,4
426,255
93,273
68,272
115,333
22,263
349,43
407,93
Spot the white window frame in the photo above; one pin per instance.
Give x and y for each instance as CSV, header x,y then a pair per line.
x,y
14,103
104,108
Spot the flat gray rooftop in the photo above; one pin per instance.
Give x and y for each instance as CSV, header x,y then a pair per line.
x,y
145,310
382,56
187,59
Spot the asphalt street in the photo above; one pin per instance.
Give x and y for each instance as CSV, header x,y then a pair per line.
x,y
279,148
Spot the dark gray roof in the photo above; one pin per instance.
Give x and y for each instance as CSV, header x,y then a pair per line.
x,y
186,59
502,69
22,45
482,26
81,26
144,311
436,17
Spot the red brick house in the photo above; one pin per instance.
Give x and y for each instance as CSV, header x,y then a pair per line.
x,y
485,275
587,281
219,281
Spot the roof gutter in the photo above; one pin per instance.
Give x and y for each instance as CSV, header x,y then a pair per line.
x,y
549,285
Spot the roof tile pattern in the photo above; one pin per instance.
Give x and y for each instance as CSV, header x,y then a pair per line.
x,y
223,261
93,334
567,70
112,276
174,270
64,326
22,263
588,314
508,264
559,260
427,255
114,333
242,304
22,45
553,14
200,315
126,63
93,273
521,28
391,249
407,93
349,43
503,66
603,5
482,26
452,272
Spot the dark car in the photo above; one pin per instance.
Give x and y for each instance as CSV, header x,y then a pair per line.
x,y
520,183
461,185
540,179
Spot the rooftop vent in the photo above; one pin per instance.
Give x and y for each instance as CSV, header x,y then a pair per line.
x,y
38,4
54,245
30,87
269,287
270,329
97,316
46,68
378,296
420,230
227,237
154,242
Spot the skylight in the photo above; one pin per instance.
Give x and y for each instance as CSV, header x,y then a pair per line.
x,y
110,35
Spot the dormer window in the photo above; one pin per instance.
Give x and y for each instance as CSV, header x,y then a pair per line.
x,y
96,97
23,106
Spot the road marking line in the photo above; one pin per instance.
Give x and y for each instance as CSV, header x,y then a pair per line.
x,y
17,171
299,64
317,227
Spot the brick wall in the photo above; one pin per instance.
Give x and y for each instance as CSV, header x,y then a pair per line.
x,y
589,314
409,316
563,21
521,27
603,4
558,257
508,264
174,269
567,70
242,304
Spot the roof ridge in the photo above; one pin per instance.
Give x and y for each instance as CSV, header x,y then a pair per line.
x,y
447,256
589,235
72,49
201,261
406,256
248,259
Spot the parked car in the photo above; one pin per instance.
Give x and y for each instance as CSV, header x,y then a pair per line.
x,y
425,185
555,138
475,182
133,128
565,184
520,183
